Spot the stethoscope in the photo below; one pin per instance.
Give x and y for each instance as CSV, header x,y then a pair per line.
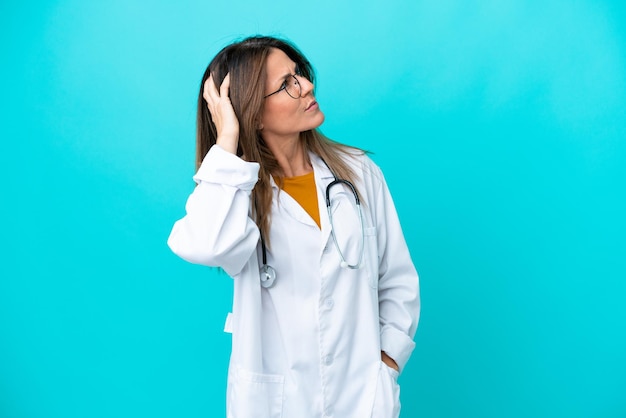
x,y
267,272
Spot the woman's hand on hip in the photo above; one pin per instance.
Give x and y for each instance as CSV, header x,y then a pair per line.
x,y
222,113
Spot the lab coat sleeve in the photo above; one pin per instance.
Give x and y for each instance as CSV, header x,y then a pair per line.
x,y
398,283
217,230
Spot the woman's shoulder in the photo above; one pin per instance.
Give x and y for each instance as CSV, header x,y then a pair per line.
x,y
362,163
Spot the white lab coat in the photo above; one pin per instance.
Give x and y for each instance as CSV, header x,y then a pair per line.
x,y
310,345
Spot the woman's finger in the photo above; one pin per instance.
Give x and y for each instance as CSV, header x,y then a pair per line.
x,y
209,90
225,87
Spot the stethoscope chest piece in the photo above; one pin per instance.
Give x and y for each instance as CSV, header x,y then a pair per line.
x,y
268,276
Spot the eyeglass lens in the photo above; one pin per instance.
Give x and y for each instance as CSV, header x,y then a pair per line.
x,y
293,87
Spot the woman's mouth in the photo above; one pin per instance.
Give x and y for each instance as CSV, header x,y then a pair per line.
x,y
311,106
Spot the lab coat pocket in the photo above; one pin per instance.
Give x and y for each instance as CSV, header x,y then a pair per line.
x,y
255,395
371,254
387,400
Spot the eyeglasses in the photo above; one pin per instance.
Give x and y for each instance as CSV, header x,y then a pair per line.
x,y
291,85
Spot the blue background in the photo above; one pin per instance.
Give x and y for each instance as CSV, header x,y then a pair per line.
x,y
501,128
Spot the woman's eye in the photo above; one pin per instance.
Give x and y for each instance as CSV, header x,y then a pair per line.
x,y
284,85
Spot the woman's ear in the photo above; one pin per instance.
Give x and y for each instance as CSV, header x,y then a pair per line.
x,y
259,126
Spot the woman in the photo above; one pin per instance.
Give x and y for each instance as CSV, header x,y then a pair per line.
x,y
326,298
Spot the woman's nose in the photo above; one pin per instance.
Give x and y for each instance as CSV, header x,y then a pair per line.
x,y
306,85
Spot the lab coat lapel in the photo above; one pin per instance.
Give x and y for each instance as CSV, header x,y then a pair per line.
x,y
323,177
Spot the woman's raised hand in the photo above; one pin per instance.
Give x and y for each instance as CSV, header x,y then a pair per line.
x,y
222,113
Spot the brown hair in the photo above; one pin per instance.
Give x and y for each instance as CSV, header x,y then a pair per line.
x,y
245,61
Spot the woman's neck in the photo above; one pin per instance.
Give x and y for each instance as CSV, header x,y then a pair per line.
x,y
291,157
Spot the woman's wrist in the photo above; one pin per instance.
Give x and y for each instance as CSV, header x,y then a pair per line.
x,y
228,142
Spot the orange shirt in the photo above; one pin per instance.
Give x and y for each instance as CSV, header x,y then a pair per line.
x,y
303,191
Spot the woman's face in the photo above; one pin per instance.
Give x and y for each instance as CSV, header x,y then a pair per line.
x,y
284,117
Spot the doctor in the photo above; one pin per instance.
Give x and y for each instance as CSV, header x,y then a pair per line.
x,y
326,297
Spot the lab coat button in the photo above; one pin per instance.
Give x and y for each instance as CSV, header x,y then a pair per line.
x,y
329,303
328,360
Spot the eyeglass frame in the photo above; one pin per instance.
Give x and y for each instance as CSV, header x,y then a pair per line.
x,y
284,87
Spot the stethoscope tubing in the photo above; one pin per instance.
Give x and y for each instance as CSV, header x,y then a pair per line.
x,y
344,263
